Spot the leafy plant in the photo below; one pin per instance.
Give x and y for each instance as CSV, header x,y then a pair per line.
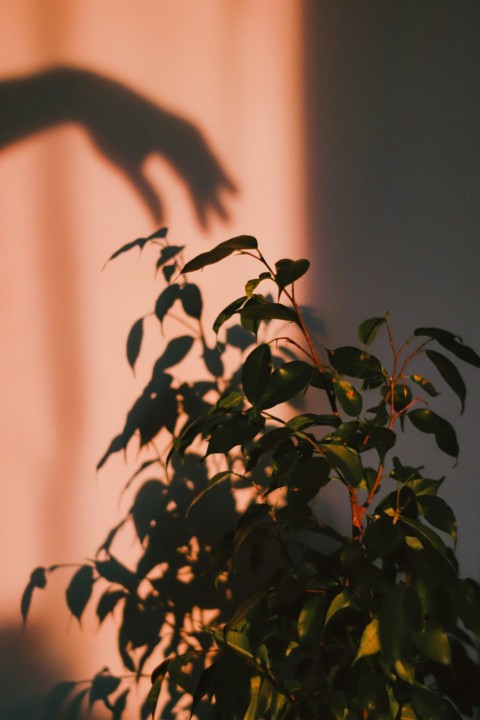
x,y
309,622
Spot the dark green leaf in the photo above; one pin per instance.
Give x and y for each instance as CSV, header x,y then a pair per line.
x,y
381,438
367,330
424,384
102,686
134,342
166,299
311,618
424,534
286,382
289,271
399,620
256,372
301,422
191,300
349,398
438,514
79,590
429,422
429,705
306,480
264,310
357,363
242,242
449,373
346,460
237,431
452,343
227,312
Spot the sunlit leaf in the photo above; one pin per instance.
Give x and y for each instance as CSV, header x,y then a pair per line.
x,y
424,384
221,251
433,642
289,271
425,534
449,373
264,310
357,363
311,618
348,396
228,312
79,590
134,342
341,601
427,421
367,330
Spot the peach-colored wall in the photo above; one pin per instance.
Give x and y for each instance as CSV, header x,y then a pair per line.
x,y
232,67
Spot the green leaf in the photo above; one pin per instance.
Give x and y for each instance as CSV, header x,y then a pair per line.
x,y
221,251
433,642
261,690
165,300
311,618
346,460
191,300
428,705
288,271
370,640
264,310
237,431
451,342
227,313
367,330
424,384
79,590
218,477
357,363
286,382
449,373
438,513
301,422
340,602
102,686
429,422
399,620
256,372
425,534
349,398
134,342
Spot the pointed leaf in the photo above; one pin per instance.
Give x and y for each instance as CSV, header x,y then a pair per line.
x,y
339,602
134,342
289,271
367,330
438,513
357,363
449,373
348,396
346,460
258,310
227,313
79,590
433,642
425,534
286,382
370,640
256,372
429,422
108,602
242,242
452,343
311,618
167,253
424,384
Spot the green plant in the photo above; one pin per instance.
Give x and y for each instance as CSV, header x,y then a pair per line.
x,y
311,623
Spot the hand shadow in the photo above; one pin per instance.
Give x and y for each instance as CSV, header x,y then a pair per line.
x,y
125,127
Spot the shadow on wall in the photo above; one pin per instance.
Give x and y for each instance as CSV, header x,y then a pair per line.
x,y
126,129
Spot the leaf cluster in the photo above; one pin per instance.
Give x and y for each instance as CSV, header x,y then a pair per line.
x,y
310,623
